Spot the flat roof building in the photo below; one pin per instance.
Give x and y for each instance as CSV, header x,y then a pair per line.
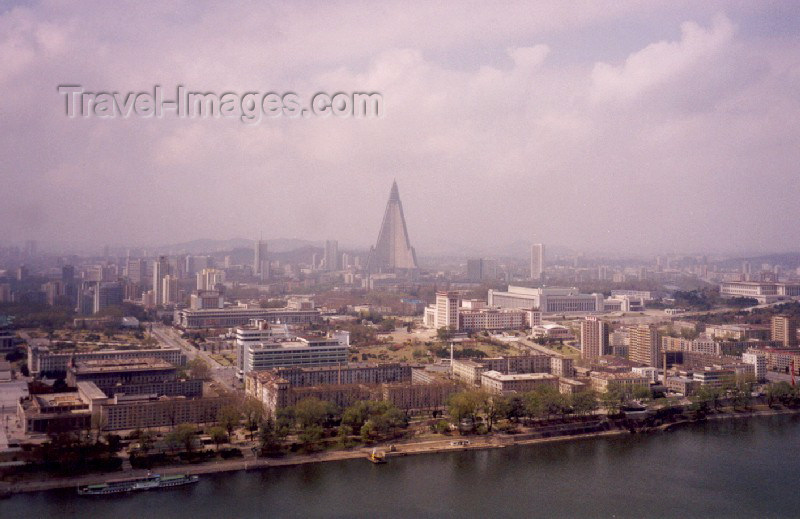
x,y
237,316
549,300
603,382
500,384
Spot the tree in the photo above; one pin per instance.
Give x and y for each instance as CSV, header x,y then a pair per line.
x,y
534,407
366,431
356,415
183,434
708,395
199,369
465,405
218,436
284,421
516,408
778,392
146,440
552,400
496,406
343,435
229,417
269,437
642,393
584,402
310,437
314,412
253,412
443,334
385,423
612,400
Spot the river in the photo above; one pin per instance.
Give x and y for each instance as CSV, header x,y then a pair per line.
x,y
727,468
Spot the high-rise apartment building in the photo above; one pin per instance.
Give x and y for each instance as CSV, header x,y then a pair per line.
x,y
136,270
481,270
537,261
210,279
160,269
331,258
260,260
784,329
195,264
446,316
643,345
169,290
106,294
594,338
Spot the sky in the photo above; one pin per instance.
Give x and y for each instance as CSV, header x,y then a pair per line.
x,y
633,127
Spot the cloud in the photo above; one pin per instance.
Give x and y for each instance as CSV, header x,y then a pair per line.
x,y
494,129
662,61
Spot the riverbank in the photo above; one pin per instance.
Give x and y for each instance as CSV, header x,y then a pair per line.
x,y
495,441
726,416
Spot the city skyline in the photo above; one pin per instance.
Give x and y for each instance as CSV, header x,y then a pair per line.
x,y
248,238
550,130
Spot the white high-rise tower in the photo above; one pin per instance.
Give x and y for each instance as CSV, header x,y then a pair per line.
x,y
537,261
260,260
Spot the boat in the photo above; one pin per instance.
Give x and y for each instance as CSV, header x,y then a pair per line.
x,y
148,482
377,456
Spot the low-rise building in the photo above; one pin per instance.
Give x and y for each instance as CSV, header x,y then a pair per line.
x,y
304,351
552,331
763,292
649,372
106,374
471,370
419,397
549,300
90,408
241,315
343,385
738,332
715,376
44,359
603,382
684,385
499,383
468,371
570,386
561,366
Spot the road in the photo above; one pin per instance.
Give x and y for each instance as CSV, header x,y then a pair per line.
x,y
225,376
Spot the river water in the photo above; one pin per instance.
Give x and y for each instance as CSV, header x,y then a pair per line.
x,y
730,468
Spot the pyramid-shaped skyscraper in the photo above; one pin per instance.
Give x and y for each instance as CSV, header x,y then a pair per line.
x,y
393,252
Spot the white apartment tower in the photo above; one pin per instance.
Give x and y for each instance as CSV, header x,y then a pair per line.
x,y
537,261
446,316
208,279
260,261
169,290
331,255
160,269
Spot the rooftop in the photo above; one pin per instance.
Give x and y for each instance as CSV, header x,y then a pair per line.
x,y
115,365
616,376
518,376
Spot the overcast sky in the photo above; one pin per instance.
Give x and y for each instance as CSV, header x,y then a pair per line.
x,y
633,126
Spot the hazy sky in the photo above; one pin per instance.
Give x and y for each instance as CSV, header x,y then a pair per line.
x,y
641,126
